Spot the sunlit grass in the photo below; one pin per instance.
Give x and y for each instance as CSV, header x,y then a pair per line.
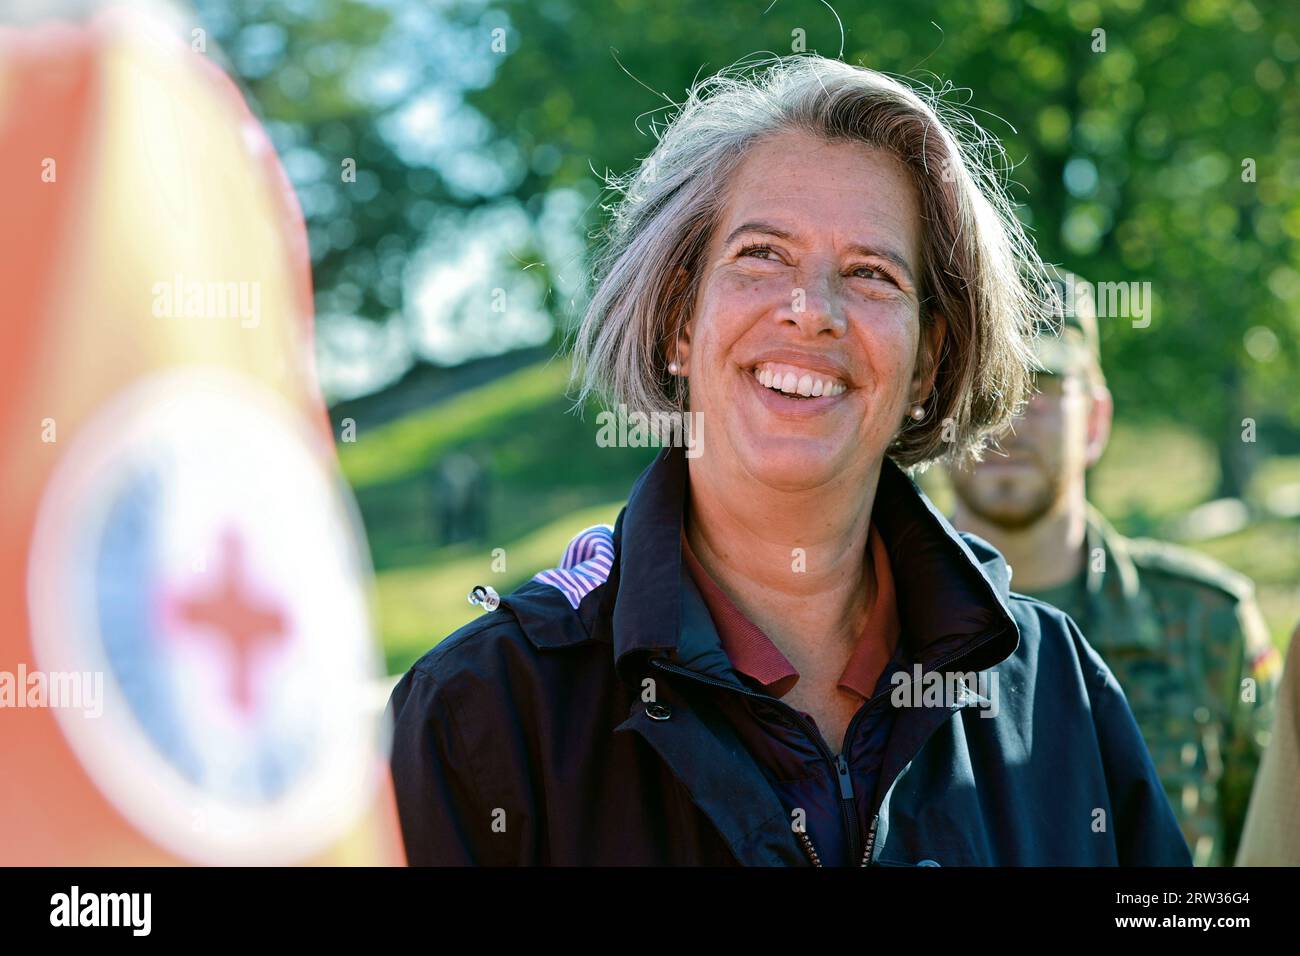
x,y
418,606
410,443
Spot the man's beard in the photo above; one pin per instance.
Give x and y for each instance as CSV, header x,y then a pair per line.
x,y
1008,512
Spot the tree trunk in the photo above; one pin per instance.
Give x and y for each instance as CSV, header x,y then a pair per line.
x,y
1237,455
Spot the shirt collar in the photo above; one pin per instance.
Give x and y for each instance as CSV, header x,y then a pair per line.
x,y
753,653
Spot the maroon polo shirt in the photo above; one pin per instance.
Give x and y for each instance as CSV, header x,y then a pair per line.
x,y
753,653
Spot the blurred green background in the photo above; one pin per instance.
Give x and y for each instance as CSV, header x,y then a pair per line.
x,y
1165,149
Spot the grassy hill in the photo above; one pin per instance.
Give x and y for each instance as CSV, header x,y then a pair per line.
x,y
550,480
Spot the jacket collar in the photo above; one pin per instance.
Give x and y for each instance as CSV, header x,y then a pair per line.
x,y
951,601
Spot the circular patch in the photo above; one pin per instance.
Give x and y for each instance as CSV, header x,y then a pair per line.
x,y
194,550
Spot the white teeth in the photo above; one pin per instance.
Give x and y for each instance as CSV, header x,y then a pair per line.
x,y
807,384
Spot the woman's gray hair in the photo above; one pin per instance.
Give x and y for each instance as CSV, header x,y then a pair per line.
x,y
979,269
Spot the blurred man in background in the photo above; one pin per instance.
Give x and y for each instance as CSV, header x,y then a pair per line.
x,y
1182,633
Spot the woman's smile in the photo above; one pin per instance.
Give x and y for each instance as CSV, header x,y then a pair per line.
x,y
797,382
824,327
791,392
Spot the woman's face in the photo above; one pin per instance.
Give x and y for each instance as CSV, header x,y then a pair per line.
x,y
803,346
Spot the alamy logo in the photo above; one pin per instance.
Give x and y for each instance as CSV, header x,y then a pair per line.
x,y
193,299
69,690
620,428
102,909
1111,300
946,689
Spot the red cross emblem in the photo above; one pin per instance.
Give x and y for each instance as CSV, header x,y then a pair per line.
x,y
231,610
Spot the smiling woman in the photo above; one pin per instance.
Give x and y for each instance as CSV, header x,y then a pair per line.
x,y
856,160
819,263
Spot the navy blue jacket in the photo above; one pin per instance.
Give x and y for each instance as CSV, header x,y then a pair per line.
x,y
593,718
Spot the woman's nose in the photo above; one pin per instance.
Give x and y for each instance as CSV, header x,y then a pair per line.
x,y
816,307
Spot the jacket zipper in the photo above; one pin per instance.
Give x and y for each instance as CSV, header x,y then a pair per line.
x,y
875,820
847,807
848,811
810,851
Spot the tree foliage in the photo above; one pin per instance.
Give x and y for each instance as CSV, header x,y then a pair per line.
x,y
1149,141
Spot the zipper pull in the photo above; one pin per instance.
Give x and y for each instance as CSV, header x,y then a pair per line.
x,y
846,782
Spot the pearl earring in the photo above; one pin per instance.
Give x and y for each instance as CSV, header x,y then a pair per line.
x,y
673,368
918,412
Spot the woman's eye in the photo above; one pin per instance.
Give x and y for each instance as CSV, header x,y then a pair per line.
x,y
757,252
867,272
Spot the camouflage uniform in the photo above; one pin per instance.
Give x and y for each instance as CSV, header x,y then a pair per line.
x,y
1182,634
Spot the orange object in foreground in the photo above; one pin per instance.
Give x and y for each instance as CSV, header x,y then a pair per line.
x,y
187,664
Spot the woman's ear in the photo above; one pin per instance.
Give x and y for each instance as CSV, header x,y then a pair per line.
x,y
927,358
679,348
683,350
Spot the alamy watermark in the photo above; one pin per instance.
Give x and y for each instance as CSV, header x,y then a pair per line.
x,y
1112,300
946,689
620,428
194,299
67,690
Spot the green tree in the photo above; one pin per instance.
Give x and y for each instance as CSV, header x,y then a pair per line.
x,y
1151,142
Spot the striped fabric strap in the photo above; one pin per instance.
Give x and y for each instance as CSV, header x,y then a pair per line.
x,y
585,566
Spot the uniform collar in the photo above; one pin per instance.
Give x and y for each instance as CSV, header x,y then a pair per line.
x,y
1119,613
951,604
